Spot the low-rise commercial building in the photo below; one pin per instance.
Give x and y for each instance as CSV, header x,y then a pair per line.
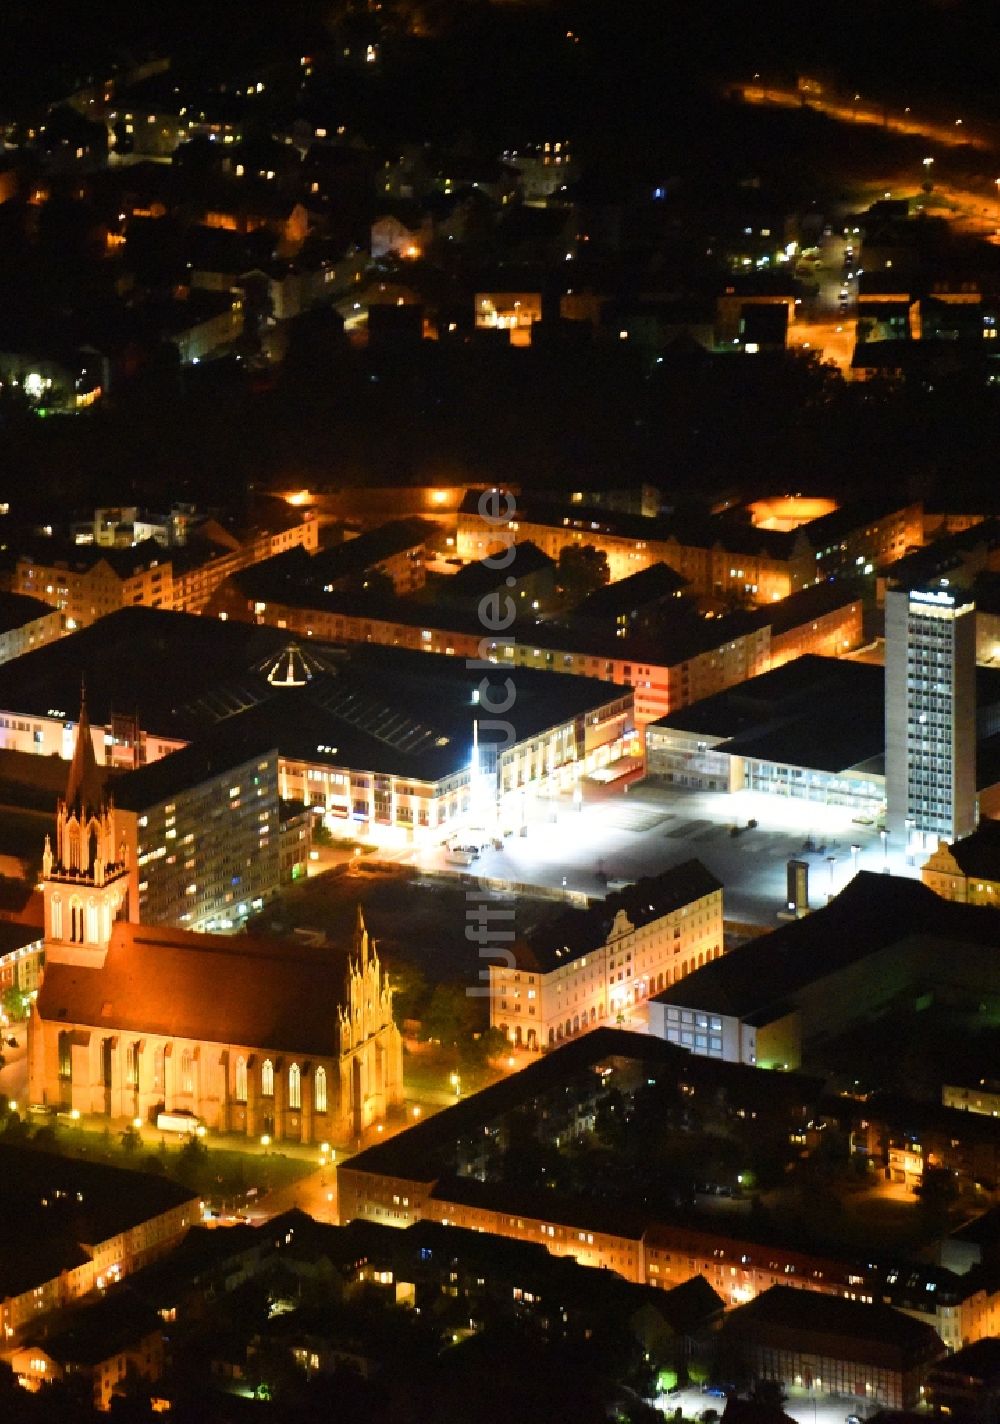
x,y
875,942
811,730
834,1346
488,749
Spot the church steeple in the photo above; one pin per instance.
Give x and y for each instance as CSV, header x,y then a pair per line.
x,y
85,876
85,784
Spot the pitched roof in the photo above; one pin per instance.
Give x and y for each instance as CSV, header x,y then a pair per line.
x,y
566,936
875,1334
18,609
979,854
628,595
85,783
219,989
99,1331
52,1206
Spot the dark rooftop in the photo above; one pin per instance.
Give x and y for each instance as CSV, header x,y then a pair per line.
x,y
94,1333
51,1207
979,853
574,932
423,1151
871,913
478,578
978,1362
647,587
382,709
824,713
16,609
875,1334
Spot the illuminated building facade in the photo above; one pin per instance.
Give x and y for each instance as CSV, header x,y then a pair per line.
x,y
71,1227
589,967
702,657
930,715
254,1037
203,833
968,870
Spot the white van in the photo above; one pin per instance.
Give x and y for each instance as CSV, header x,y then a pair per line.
x,y
462,855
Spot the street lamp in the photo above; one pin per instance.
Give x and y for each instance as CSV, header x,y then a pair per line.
x,y
855,852
885,850
928,162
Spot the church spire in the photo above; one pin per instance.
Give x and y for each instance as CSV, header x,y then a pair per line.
x,y
360,936
85,785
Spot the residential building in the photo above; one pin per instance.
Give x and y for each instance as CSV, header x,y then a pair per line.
x,y
588,967
904,1136
26,623
718,559
930,715
86,581
967,870
102,1345
527,576
69,1226
980,1097
202,832
965,1388
634,604
21,957
254,1037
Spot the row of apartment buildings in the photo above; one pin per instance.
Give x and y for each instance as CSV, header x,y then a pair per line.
x,y
86,581
720,558
703,657
434,1172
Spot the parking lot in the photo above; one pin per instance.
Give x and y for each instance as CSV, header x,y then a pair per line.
x,y
622,834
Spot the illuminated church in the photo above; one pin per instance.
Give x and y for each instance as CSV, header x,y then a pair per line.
x,y
252,1036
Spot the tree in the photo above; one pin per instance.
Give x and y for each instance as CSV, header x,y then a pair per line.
x,y
14,1003
192,1161
478,1049
582,571
409,990
451,1015
131,1140
937,1192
